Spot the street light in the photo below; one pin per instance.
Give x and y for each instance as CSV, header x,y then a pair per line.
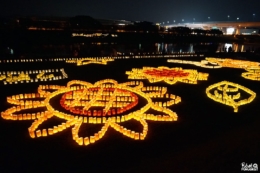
x,y
228,17
209,18
238,18
254,16
182,20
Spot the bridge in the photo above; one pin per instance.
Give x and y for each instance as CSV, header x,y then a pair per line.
x,y
227,27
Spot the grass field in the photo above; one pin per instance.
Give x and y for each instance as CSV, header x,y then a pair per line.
x,y
208,136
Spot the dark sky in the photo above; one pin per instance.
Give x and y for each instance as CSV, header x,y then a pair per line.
x,y
149,10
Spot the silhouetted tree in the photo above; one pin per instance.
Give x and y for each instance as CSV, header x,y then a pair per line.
x,y
215,32
199,31
84,22
180,30
145,26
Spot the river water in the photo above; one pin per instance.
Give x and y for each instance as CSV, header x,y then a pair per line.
x,y
115,49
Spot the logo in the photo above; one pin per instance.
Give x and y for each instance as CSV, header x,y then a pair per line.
x,y
249,167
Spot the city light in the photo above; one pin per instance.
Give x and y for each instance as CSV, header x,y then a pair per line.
x,y
230,31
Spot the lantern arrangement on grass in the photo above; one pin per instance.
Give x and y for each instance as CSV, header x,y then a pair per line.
x,y
227,99
166,74
15,77
105,102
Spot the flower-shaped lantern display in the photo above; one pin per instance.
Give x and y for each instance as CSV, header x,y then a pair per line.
x,y
169,75
105,102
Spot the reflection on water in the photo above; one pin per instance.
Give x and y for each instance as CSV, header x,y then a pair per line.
x,y
174,48
114,49
234,47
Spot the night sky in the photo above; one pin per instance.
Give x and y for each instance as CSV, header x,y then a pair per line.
x,y
148,10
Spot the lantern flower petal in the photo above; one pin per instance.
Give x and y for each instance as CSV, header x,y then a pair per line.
x,y
131,133
91,139
35,132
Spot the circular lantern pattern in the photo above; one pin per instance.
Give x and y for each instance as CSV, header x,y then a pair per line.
x,y
80,101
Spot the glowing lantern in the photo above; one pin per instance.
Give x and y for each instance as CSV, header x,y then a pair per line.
x,y
224,98
169,75
74,99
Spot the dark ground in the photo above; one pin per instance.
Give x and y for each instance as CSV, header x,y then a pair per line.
x,y
208,136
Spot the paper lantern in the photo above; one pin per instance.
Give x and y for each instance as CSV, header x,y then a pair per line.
x,y
78,97
227,99
15,77
169,75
